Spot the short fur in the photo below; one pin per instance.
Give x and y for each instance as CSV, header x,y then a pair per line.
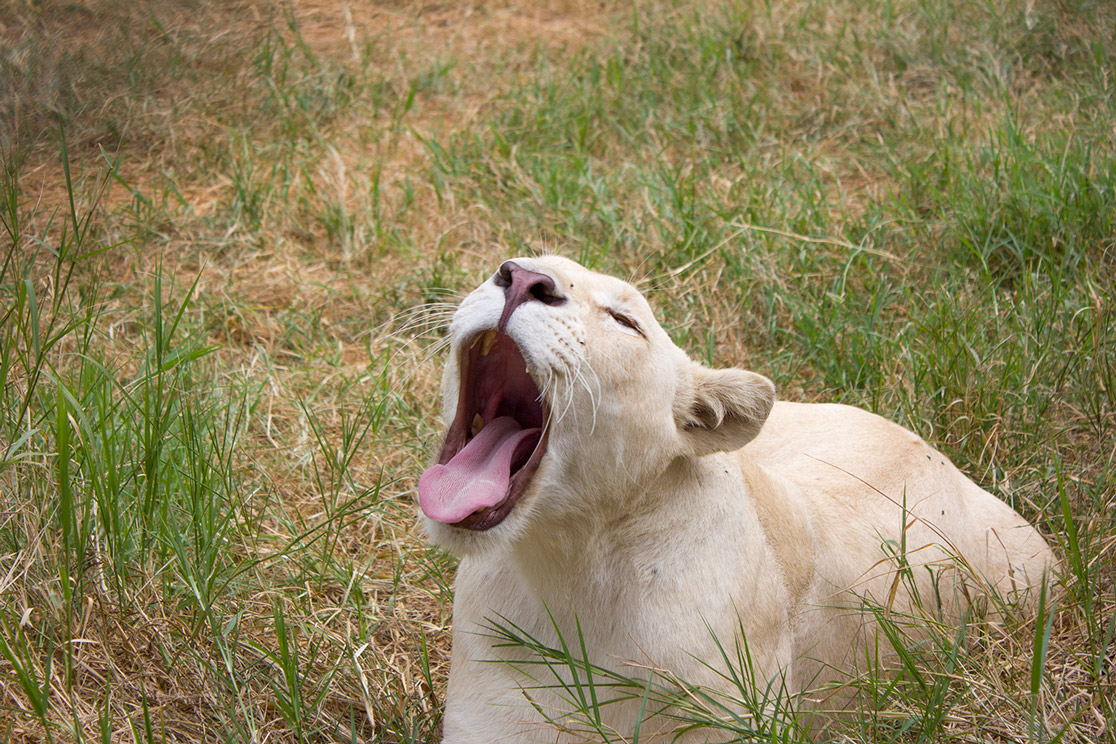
x,y
677,505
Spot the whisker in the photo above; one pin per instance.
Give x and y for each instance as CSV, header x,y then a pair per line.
x,y
435,349
579,376
427,317
569,401
431,318
596,400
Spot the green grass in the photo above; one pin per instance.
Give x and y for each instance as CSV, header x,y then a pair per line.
x,y
217,391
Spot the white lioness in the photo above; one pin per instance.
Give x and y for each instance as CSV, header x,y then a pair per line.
x,y
602,487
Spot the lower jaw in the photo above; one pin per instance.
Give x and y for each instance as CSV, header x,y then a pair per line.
x,y
484,520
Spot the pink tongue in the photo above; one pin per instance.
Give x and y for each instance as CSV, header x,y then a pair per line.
x,y
477,477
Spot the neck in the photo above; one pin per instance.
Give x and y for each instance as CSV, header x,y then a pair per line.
x,y
585,552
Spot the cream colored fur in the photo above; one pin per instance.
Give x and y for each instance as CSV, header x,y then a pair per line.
x,y
678,505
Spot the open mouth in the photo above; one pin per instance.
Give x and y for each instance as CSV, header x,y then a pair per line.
x,y
496,440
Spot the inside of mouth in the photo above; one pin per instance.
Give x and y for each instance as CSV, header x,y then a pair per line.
x,y
498,384
495,434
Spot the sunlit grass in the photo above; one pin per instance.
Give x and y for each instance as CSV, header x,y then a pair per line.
x,y
217,392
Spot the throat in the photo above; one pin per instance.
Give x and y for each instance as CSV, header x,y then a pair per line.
x,y
596,557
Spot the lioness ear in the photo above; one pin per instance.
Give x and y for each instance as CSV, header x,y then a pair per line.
x,y
723,409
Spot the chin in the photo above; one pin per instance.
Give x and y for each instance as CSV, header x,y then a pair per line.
x,y
463,542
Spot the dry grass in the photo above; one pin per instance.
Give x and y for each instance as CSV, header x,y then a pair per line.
x,y
288,306
298,175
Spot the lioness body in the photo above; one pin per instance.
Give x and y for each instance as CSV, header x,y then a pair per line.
x,y
661,528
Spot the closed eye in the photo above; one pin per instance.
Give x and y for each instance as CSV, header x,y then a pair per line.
x,y
625,322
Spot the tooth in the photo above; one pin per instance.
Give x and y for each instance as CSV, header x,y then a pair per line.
x,y
488,342
478,424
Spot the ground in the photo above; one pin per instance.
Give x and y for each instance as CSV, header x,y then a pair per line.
x,y
233,232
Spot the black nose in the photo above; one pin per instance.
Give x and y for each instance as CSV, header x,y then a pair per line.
x,y
521,285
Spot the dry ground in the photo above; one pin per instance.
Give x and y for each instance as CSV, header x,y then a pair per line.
x,y
161,91
300,175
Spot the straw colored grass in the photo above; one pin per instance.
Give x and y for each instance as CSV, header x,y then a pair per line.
x,y
220,368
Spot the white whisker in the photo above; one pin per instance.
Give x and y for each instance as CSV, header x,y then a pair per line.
x,y
429,318
579,376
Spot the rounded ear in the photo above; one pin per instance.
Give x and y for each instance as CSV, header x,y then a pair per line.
x,y
722,409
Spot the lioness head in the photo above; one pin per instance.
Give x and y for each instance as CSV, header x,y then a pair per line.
x,y
563,396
